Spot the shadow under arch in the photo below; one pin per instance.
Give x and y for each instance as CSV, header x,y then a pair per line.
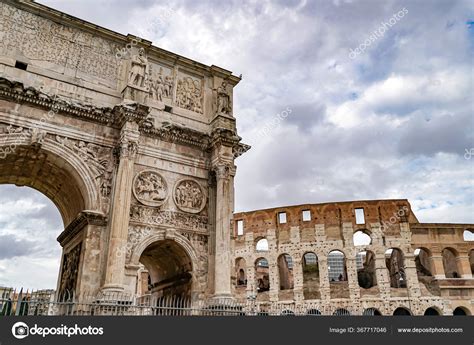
x,y
52,169
160,236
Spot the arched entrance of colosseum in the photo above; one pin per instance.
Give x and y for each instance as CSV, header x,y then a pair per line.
x,y
461,311
432,311
40,162
170,270
401,311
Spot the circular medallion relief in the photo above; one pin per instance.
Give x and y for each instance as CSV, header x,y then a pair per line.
x,y
150,188
189,196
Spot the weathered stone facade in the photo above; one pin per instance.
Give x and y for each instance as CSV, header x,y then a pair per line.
x,y
135,145
401,267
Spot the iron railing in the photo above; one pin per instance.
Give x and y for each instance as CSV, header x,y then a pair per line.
x,y
47,302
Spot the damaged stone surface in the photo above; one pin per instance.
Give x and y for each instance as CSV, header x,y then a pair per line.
x,y
406,264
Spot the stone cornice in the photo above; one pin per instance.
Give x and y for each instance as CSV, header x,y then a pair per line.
x,y
16,92
84,218
177,134
240,149
224,136
133,112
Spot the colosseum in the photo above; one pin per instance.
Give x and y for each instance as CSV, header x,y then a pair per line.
x,y
359,258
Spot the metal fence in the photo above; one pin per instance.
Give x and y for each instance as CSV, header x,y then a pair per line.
x,y
46,302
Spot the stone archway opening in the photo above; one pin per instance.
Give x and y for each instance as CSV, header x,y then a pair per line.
x,y
451,266
461,311
50,168
51,175
311,276
170,270
29,252
400,311
337,274
366,275
424,271
395,262
262,278
431,311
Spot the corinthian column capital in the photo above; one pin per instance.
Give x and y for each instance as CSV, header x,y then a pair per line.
x,y
224,170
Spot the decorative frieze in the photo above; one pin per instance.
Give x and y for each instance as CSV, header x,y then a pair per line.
x,y
154,216
189,94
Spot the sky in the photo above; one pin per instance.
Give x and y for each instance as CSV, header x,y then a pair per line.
x,y
340,100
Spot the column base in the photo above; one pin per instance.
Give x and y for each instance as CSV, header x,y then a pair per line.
x,y
223,297
113,292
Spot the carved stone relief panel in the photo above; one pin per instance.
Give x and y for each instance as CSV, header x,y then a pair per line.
x,y
153,216
189,196
161,83
150,188
99,159
70,270
50,44
189,93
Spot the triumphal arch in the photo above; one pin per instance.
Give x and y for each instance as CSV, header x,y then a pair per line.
x,y
134,144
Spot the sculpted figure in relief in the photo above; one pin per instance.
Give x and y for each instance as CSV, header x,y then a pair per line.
x,y
189,95
139,69
150,188
223,99
189,196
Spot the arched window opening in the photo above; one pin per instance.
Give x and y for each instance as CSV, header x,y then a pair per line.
x,y
311,276
424,271
313,312
337,266
337,273
285,271
450,264
396,267
240,267
262,275
360,238
366,274
468,235
262,245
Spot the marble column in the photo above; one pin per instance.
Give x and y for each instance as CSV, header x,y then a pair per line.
x,y
120,212
222,281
